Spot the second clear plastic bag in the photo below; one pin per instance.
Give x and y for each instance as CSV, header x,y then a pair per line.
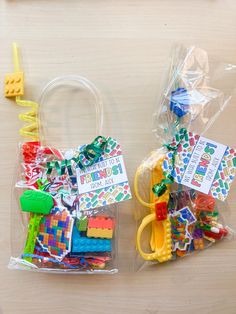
x,y
175,219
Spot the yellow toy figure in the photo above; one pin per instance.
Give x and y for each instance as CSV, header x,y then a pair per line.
x,y
160,241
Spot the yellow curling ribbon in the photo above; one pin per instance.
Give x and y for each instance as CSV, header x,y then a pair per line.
x,y
32,129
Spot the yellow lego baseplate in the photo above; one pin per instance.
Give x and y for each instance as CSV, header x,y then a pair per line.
x,y
14,84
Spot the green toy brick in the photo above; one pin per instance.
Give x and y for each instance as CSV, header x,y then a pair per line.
x,y
82,223
36,202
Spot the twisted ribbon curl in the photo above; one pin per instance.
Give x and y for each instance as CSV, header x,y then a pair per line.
x,y
160,188
91,153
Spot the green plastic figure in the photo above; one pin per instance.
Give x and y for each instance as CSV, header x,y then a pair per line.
x,y
38,203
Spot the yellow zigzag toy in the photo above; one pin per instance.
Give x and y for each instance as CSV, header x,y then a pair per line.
x,y
14,87
160,241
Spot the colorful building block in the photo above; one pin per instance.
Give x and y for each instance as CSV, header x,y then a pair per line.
x,y
36,202
84,244
198,244
179,102
161,211
101,222
14,84
100,227
82,223
100,233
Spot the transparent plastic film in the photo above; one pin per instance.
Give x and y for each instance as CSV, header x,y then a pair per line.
x,y
182,186
64,209
70,108
177,223
195,93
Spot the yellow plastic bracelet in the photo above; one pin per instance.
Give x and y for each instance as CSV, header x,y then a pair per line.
x,y
160,241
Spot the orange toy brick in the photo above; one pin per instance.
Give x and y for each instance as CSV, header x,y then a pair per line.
x,y
100,227
100,222
14,84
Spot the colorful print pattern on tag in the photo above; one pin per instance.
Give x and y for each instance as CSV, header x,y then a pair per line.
x,y
224,176
108,194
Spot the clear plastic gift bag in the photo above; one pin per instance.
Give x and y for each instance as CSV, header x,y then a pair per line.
x,y
65,204
182,186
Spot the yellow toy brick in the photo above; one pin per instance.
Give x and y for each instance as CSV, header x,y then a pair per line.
x,y
198,244
99,233
14,84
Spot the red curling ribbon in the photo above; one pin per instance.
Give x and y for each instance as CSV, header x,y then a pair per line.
x,y
53,151
204,202
30,151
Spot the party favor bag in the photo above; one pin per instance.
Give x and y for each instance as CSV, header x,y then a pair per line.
x,y
64,218
185,182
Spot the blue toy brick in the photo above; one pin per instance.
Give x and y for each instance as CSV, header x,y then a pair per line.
x,y
84,244
179,102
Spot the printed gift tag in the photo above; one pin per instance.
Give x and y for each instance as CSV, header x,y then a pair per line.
x,y
203,165
105,182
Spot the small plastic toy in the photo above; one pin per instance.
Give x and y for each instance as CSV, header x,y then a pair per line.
x,y
90,245
14,87
82,223
160,241
36,202
14,84
100,227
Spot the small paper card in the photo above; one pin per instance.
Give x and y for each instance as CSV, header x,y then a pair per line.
x,y
203,165
181,237
188,215
105,182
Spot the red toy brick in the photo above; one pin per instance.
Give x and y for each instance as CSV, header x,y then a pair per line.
x,y
161,211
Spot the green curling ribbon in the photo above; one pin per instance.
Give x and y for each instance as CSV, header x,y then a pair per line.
x,y
43,185
160,188
50,166
91,152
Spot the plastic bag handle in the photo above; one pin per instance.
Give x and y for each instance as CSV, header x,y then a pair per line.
x,y
79,80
